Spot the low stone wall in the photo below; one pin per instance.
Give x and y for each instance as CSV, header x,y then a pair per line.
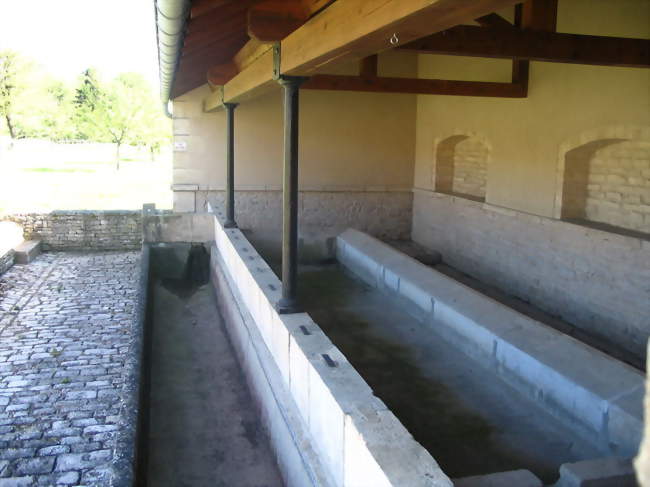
x,y
592,278
87,230
6,261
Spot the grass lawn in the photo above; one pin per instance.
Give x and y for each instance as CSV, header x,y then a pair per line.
x,y
40,176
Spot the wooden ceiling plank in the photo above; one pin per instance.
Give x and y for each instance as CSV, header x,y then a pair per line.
x,y
273,20
201,7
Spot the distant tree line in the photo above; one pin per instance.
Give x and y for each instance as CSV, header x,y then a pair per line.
x,y
121,111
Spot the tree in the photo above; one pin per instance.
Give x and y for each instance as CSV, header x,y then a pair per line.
x,y
113,112
155,131
14,70
56,112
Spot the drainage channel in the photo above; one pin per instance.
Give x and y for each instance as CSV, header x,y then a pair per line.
x,y
471,421
203,428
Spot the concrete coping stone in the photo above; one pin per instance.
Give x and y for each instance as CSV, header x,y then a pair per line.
x,y
602,472
27,251
84,212
369,446
596,390
519,478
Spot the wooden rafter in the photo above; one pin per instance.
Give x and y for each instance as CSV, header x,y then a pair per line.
x,y
414,86
349,30
466,40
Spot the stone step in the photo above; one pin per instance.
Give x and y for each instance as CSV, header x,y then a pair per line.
x,y
27,251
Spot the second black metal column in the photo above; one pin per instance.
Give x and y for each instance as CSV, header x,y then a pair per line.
x,y
289,302
230,165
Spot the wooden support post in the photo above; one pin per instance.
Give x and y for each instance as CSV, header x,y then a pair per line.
x,y
230,166
289,302
368,67
520,67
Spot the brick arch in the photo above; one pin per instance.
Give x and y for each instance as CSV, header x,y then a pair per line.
x,y
604,177
460,164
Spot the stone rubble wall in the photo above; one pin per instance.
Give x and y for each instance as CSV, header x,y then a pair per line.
x,y
90,230
594,279
322,216
6,261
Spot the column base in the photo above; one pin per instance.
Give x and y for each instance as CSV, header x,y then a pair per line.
x,y
230,224
287,307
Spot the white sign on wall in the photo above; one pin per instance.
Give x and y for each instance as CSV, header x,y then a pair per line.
x,y
180,146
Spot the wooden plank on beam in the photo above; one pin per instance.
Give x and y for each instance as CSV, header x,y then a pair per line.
x,y
249,53
495,21
414,86
253,81
468,40
349,30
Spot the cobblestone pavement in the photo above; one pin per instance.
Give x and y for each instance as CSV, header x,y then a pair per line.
x,y
67,321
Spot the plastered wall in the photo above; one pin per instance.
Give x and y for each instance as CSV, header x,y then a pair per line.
x,y
524,135
347,140
575,149
357,149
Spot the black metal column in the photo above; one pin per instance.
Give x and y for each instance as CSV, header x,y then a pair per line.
x,y
230,166
289,302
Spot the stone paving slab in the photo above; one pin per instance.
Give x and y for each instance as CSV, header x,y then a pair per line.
x,y
67,325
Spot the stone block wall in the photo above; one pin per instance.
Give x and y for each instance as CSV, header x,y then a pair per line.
x,y
87,230
461,166
608,181
618,186
595,279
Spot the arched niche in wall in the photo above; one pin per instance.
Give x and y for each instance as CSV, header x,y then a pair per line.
x,y
604,179
460,165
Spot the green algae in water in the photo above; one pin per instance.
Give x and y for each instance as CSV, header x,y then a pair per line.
x,y
427,408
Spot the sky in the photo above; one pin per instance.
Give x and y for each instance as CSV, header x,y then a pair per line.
x,y
68,36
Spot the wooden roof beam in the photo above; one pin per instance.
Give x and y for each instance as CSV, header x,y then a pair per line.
x,y
349,30
467,40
